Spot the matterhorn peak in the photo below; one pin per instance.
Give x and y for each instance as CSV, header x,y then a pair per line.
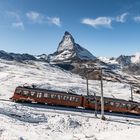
x,y
67,33
69,50
67,43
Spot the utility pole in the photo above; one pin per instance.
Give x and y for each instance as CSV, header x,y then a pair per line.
x,y
102,98
131,92
87,82
95,105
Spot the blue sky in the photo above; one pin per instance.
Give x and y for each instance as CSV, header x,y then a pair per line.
x,y
104,27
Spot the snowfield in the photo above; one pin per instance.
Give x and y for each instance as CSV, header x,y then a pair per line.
x,y
33,121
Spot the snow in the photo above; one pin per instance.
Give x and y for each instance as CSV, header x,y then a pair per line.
x,y
108,60
32,121
136,58
66,44
62,56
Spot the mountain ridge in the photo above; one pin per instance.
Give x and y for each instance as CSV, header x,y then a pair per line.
x,y
16,56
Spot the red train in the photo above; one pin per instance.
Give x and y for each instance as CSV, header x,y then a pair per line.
x,y
36,95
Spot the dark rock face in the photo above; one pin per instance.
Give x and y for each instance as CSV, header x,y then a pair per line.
x,y
4,55
16,57
124,60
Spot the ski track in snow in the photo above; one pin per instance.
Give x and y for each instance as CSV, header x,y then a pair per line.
x,y
26,122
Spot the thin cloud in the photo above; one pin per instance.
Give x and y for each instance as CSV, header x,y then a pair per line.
x,y
55,20
105,22
98,22
18,25
121,18
35,17
137,18
14,15
16,20
39,18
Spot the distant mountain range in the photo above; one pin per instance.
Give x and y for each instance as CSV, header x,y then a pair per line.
x,y
128,64
71,56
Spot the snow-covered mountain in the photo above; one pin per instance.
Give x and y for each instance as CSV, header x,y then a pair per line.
x,y
69,50
124,60
129,64
42,57
128,60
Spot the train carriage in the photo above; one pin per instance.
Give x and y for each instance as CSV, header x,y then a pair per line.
x,y
28,94
112,105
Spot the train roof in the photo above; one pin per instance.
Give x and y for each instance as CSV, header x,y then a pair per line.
x,y
40,89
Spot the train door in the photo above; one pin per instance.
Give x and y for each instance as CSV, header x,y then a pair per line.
x,y
90,103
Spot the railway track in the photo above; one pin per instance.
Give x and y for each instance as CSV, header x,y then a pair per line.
x,y
6,100
61,109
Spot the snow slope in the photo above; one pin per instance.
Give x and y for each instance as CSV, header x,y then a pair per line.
x,y
26,122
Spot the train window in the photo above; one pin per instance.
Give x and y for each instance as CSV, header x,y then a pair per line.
x,y
77,99
52,95
73,98
58,96
124,105
117,104
92,101
25,92
70,98
39,95
61,97
112,103
32,93
107,103
64,97
129,105
55,96
46,95
18,91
